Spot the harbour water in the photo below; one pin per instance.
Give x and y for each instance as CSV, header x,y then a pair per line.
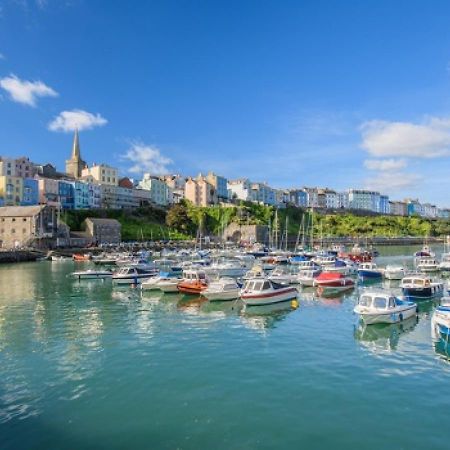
x,y
86,365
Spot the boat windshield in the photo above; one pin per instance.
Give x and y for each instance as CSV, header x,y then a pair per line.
x,y
379,302
365,300
266,285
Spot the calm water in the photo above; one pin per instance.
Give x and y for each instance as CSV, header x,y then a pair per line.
x,y
85,365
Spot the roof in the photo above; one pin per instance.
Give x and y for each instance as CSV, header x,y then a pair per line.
x,y
21,211
109,222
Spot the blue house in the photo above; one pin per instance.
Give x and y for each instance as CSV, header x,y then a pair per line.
x,y
81,195
30,195
66,194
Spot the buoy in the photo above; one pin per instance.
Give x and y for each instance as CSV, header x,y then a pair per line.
x,y
294,304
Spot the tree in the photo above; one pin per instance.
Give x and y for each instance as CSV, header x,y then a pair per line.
x,y
178,219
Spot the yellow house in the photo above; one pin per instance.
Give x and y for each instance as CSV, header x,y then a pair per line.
x,y
11,190
102,174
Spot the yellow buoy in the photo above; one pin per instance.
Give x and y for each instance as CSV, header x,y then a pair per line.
x,y
294,304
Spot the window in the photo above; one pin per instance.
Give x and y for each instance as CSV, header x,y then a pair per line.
x,y
24,230
365,300
379,302
13,219
13,230
391,302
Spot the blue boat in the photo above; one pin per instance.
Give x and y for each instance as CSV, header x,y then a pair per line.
x,y
369,270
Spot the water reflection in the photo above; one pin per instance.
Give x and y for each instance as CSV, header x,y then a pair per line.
x,y
383,337
267,316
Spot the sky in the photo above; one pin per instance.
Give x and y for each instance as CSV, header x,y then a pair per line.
x,y
343,94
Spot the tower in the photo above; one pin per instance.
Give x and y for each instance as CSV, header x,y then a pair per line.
x,y
75,164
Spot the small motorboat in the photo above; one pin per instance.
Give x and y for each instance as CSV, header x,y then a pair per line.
x,y
132,275
153,283
394,272
255,272
193,282
445,262
169,286
92,274
223,289
440,321
306,277
265,292
282,276
369,270
424,252
421,286
333,281
384,307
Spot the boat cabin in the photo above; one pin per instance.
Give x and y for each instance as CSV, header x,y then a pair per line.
x,y
194,275
419,282
379,301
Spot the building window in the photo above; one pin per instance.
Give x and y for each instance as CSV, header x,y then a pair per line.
x,y
13,230
13,219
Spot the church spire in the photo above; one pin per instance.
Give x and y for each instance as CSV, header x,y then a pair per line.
x,y
76,146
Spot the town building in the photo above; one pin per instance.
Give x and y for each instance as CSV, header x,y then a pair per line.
x,y
103,231
159,190
75,165
200,192
364,199
11,190
30,193
48,192
239,189
176,184
398,208
25,226
220,184
101,174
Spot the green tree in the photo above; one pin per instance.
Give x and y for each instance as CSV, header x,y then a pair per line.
x,y
178,219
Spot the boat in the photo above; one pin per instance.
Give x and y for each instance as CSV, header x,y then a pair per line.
x,y
384,307
282,276
306,277
440,321
92,274
255,272
56,258
132,275
421,286
340,266
193,282
230,268
444,265
424,252
369,270
153,283
427,264
169,286
224,289
265,292
333,281
81,257
394,272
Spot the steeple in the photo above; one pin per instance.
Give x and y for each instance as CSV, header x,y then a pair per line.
x,y
75,164
76,146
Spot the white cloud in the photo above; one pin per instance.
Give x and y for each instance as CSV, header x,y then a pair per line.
x,y
389,182
429,139
146,158
26,92
385,164
67,121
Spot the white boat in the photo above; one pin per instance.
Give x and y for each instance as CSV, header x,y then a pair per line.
x,y
427,264
168,286
223,289
369,270
153,283
60,258
282,276
394,272
230,268
306,277
132,275
440,321
384,307
92,274
255,272
265,292
445,262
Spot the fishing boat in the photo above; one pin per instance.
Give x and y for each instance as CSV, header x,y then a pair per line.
x,y
394,272
223,289
421,286
306,277
440,321
369,270
265,292
92,274
132,275
333,281
384,307
193,282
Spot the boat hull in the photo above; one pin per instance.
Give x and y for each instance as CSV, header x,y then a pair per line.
x,y
269,298
388,317
426,292
221,296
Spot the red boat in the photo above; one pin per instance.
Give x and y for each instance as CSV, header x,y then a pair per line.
x,y
333,281
81,257
194,282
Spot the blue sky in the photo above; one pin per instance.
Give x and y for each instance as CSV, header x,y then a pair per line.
x,y
339,94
